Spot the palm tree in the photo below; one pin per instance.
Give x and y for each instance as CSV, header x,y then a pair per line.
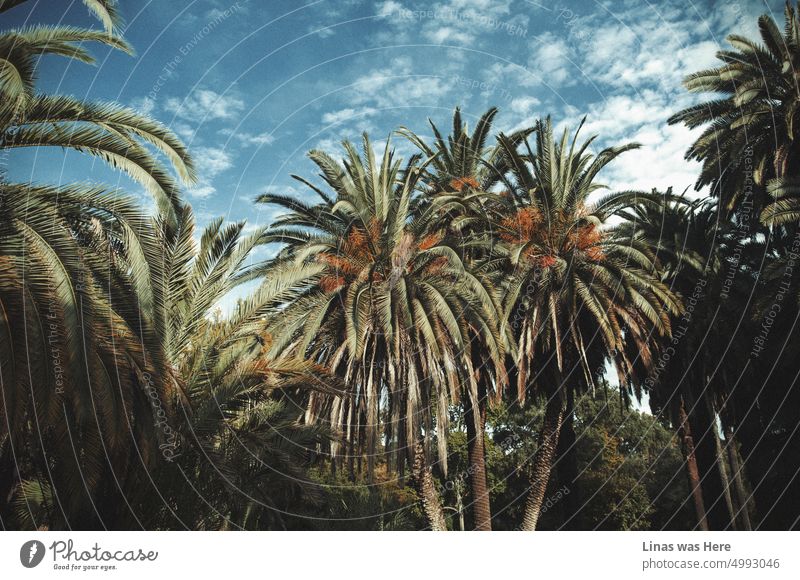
x,y
222,422
458,182
75,353
367,287
578,292
681,230
240,446
462,169
458,164
748,144
750,159
698,251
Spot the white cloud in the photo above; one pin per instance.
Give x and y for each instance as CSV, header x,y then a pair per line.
x,y
210,162
202,190
658,163
510,74
246,138
389,8
400,85
459,22
550,60
144,105
338,9
184,131
620,115
336,117
330,145
741,17
323,32
641,118
637,62
257,139
644,47
524,105
520,113
448,35
204,105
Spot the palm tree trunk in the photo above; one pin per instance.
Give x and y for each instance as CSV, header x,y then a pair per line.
x,y
8,475
704,435
476,422
351,460
423,478
401,453
687,447
722,465
543,461
567,464
460,508
743,499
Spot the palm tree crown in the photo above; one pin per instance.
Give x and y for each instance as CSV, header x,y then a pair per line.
x,y
574,278
752,125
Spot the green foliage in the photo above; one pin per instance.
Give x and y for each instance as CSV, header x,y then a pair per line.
x,y
629,466
384,506
79,358
632,475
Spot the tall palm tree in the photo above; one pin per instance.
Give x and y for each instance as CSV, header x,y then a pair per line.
x,y
222,425
698,251
751,160
240,446
748,146
458,179
578,292
371,290
74,351
684,233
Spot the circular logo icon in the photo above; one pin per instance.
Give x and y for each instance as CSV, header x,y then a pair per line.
x,y
31,553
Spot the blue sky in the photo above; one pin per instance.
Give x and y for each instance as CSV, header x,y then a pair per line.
x,y
252,86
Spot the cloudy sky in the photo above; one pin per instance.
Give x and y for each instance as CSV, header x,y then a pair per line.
x,y
252,86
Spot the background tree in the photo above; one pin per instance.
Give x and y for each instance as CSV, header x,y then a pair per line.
x,y
628,468
704,260
239,444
